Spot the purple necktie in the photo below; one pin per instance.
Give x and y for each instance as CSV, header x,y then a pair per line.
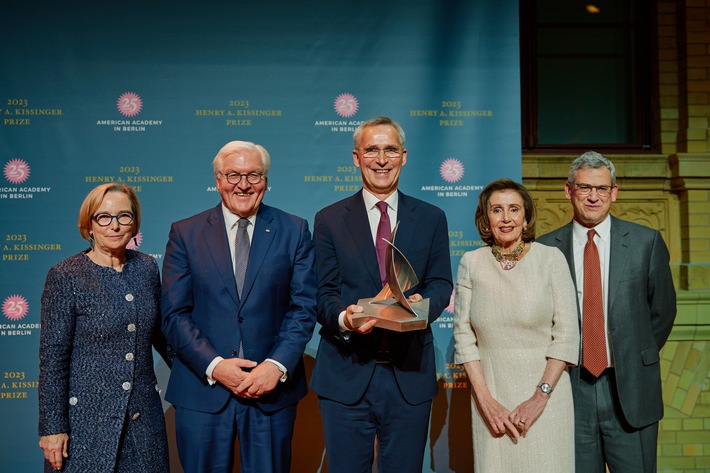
x,y
384,231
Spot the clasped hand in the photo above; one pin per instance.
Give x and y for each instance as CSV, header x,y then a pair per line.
x,y
527,413
246,378
515,423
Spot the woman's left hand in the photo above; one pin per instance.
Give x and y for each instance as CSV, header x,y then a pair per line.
x,y
525,415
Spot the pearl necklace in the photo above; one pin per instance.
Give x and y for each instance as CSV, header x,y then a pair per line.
x,y
508,260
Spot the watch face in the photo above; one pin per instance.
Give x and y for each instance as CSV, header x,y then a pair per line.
x,y
546,388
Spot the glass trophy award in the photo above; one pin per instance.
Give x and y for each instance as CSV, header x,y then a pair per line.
x,y
390,308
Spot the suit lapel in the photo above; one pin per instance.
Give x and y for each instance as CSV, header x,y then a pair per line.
x,y
618,257
358,225
216,240
565,242
264,233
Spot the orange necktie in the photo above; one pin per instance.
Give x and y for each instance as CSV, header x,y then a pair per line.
x,y
593,333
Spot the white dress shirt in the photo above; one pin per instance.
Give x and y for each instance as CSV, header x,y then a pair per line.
x,y
603,241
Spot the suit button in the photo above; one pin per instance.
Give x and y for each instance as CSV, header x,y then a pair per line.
x,y
136,416
131,327
129,297
73,401
129,356
126,386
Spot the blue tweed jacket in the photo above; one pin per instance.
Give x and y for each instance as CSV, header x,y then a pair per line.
x,y
96,379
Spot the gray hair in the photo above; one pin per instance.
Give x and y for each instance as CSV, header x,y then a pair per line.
x,y
591,160
234,146
375,122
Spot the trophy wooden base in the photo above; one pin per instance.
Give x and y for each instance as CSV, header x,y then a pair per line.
x,y
392,316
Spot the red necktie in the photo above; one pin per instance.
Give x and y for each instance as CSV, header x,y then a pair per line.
x,y
593,333
384,230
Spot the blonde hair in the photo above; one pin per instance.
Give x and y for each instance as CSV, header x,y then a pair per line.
x,y
93,201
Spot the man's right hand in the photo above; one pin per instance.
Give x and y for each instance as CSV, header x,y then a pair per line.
x,y
348,320
230,372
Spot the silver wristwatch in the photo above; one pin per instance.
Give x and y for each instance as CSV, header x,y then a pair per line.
x,y
545,387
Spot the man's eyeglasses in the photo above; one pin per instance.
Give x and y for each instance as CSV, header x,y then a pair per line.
x,y
374,153
105,219
586,189
251,177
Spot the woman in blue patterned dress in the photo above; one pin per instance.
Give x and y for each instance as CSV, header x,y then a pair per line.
x,y
99,402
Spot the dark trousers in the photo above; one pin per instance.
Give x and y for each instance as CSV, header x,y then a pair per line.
x,y
382,413
206,441
603,437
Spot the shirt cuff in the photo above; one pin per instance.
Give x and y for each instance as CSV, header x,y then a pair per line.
x,y
341,322
210,369
344,331
282,368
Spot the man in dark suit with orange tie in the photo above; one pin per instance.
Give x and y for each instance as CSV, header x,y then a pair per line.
x,y
627,308
238,308
374,383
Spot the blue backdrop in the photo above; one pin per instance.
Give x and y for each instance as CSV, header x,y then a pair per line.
x,y
147,92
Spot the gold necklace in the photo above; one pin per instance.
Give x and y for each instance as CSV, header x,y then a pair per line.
x,y
508,260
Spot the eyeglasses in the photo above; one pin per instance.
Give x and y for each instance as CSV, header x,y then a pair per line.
x,y
374,153
252,177
586,189
105,219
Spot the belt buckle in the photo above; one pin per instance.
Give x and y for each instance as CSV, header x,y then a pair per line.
x,y
383,357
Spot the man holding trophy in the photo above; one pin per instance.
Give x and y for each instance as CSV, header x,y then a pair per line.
x,y
374,382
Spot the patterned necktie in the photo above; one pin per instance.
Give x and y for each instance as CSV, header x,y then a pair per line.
x,y
384,230
241,254
593,333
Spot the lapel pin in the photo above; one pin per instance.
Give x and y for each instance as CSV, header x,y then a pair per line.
x,y
268,231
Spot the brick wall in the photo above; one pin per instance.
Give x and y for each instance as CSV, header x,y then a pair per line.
x,y
669,191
